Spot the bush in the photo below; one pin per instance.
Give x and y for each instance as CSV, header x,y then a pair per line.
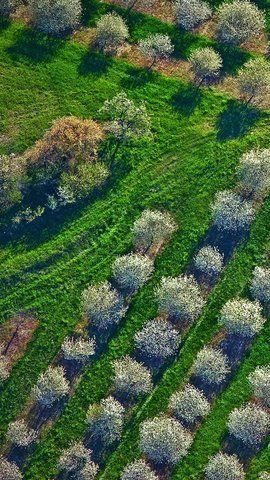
x,y
51,386
138,470
9,470
189,405
180,297
74,458
242,317
239,21
111,32
103,305
254,80
231,212
254,170
12,179
211,365
82,182
152,228
4,369
8,6
205,64
164,440
250,424
105,421
126,120
209,261
19,434
157,341
78,349
260,381
260,286
131,378
191,13
131,271
224,467
156,47
55,16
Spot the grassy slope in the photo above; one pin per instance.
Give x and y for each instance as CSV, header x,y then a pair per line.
x,y
180,171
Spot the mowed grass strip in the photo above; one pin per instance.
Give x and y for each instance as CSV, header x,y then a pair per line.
x,y
95,384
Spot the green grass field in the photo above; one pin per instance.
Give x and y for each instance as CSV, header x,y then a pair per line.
x,y
198,140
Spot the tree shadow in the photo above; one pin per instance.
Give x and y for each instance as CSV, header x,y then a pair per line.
x,y
232,57
4,23
94,63
236,120
138,77
187,99
34,46
89,10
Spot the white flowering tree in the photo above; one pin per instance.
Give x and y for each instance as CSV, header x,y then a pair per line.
x,y
224,467
156,47
9,470
254,80
131,271
164,440
191,13
157,341
260,285
209,261
264,476
260,381
189,405
8,6
88,472
231,212
239,21
55,16
152,228
131,378
241,316
205,64
250,424
111,33
180,297
211,366
75,458
103,305
138,470
51,386
254,171
78,349
20,434
105,421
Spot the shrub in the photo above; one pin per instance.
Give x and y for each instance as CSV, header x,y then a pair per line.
x,y
12,179
205,64
242,317
105,421
8,6
4,369
51,386
239,21
250,424
131,271
254,80
152,228
9,470
19,434
224,467
127,121
82,182
180,297
103,305
131,378
111,32
189,405
260,381
78,349
55,16
138,470
74,458
164,440
209,261
191,13
157,341
231,212
156,47
260,286
254,170
211,365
